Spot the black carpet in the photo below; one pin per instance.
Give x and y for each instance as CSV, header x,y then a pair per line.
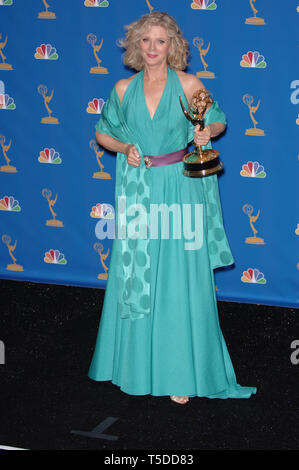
x,y
48,402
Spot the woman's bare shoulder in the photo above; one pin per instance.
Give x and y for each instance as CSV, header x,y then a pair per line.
x,y
190,83
122,85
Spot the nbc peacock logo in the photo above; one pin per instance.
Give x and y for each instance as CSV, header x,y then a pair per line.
x,y
102,211
49,156
46,52
295,96
96,3
253,170
6,101
95,106
203,5
9,204
253,276
54,257
6,3
253,60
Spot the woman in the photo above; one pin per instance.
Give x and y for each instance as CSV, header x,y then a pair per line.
x,y
159,332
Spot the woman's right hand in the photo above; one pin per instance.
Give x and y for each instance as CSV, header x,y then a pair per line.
x,y
133,157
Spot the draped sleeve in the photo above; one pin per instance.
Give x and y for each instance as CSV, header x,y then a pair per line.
x,y
215,114
110,122
131,191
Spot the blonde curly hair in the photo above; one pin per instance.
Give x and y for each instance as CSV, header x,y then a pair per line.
x,y
179,48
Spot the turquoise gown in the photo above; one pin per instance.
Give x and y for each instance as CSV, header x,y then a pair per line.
x,y
178,348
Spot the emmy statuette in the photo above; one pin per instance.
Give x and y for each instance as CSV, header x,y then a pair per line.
x,y
200,163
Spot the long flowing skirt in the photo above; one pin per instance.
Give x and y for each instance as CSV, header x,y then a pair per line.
x,y
179,348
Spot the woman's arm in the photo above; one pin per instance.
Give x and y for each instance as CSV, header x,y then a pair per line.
x,y
110,143
190,84
211,130
216,128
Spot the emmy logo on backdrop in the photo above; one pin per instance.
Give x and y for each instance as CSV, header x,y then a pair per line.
x,y
3,65
6,168
42,89
254,20
99,153
248,100
98,247
11,248
248,209
46,15
47,193
149,6
92,39
198,43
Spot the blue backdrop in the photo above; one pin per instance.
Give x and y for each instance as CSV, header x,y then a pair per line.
x,y
58,62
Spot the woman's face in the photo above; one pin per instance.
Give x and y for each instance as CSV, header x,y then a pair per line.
x,y
155,45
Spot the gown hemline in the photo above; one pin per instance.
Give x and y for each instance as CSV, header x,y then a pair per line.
x,y
248,391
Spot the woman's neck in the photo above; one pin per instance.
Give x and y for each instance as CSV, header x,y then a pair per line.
x,y
155,73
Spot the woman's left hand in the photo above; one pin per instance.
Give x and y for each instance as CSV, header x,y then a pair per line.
x,y
202,137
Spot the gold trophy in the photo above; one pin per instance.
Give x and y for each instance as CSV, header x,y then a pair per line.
x,y
200,162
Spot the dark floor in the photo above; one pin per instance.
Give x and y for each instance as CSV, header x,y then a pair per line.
x,y
49,332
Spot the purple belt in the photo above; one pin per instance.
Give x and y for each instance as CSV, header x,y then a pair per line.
x,y
165,159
